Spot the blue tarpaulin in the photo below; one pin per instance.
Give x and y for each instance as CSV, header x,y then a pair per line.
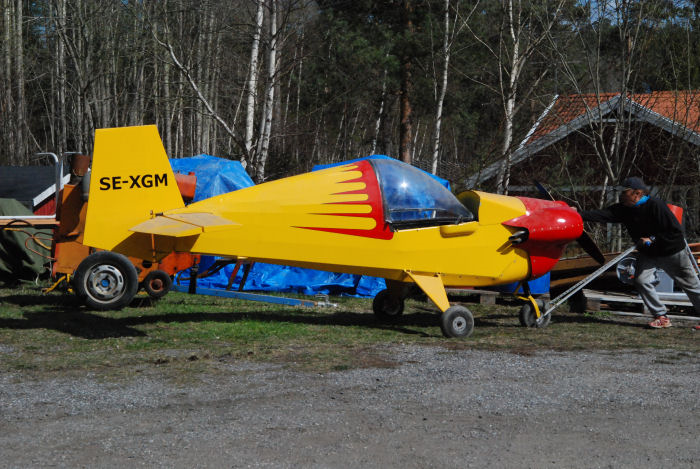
x,y
217,176
214,175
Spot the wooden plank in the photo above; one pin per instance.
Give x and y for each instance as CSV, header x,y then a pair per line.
x,y
582,262
610,276
486,297
34,222
642,315
592,304
593,295
569,271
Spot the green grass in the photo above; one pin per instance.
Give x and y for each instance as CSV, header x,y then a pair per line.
x,y
51,333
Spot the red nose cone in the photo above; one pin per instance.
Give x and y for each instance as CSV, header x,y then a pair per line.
x,y
551,226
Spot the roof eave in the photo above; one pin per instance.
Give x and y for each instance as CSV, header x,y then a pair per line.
x,y
526,150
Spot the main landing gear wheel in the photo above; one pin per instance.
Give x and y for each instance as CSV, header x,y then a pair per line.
x,y
157,284
528,318
387,307
106,280
457,321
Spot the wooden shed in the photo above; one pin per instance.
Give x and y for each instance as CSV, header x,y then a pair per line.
x,y
583,144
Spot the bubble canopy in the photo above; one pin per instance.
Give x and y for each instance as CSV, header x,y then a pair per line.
x,y
414,199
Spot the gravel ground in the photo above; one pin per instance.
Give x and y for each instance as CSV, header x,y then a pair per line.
x,y
439,408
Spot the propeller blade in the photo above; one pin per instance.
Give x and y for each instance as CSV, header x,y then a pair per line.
x,y
591,248
544,191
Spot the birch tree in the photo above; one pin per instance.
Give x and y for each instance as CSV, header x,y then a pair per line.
x,y
266,120
406,131
252,85
20,107
197,88
450,35
7,78
443,90
524,29
625,28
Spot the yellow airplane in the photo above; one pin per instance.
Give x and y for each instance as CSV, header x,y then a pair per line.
x,y
381,218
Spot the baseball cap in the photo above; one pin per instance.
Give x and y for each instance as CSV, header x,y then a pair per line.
x,y
633,182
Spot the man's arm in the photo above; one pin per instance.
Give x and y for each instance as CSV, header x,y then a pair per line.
x,y
605,215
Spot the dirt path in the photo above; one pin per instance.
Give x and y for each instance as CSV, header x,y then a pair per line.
x,y
438,409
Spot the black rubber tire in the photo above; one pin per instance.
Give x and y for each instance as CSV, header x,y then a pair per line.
x,y
527,315
157,284
387,307
457,322
106,281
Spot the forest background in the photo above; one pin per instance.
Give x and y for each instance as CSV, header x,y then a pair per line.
x,y
280,85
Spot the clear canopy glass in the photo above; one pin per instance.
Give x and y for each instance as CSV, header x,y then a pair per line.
x,y
412,198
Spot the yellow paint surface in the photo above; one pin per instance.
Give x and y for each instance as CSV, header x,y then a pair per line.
x,y
271,222
131,180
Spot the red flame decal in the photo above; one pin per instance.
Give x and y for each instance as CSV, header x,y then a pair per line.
x,y
374,200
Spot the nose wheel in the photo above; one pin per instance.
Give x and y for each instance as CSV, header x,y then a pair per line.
x,y
528,316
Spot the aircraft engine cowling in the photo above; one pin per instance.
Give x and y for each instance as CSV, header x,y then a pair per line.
x,y
544,231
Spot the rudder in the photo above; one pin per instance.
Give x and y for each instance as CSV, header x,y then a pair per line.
x,y
131,181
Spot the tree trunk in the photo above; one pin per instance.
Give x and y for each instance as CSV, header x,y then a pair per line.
x,y
508,94
61,76
20,111
298,103
266,128
504,175
405,136
200,77
216,60
253,78
180,132
8,125
443,90
415,156
168,105
378,122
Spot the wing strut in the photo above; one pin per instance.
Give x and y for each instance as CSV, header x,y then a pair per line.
x,y
433,287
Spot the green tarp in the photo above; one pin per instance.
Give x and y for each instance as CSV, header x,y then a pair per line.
x,y
17,261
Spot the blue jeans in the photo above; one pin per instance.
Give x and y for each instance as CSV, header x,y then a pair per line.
x,y
678,266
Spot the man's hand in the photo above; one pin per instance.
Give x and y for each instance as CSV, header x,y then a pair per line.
x,y
646,241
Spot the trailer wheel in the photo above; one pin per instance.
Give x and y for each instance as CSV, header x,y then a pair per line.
x,y
386,306
157,284
527,315
457,321
106,281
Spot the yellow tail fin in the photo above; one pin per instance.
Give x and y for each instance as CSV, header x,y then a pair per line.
x,y
131,181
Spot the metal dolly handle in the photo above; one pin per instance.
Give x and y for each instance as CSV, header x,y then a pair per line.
x,y
556,302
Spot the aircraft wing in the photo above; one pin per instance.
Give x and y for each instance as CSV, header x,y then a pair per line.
x,y
183,224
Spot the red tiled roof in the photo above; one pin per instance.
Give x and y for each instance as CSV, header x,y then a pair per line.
x,y
682,107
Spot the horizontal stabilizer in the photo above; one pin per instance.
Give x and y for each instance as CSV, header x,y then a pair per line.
x,y
183,224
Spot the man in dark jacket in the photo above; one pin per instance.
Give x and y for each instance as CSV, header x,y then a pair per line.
x,y
660,241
